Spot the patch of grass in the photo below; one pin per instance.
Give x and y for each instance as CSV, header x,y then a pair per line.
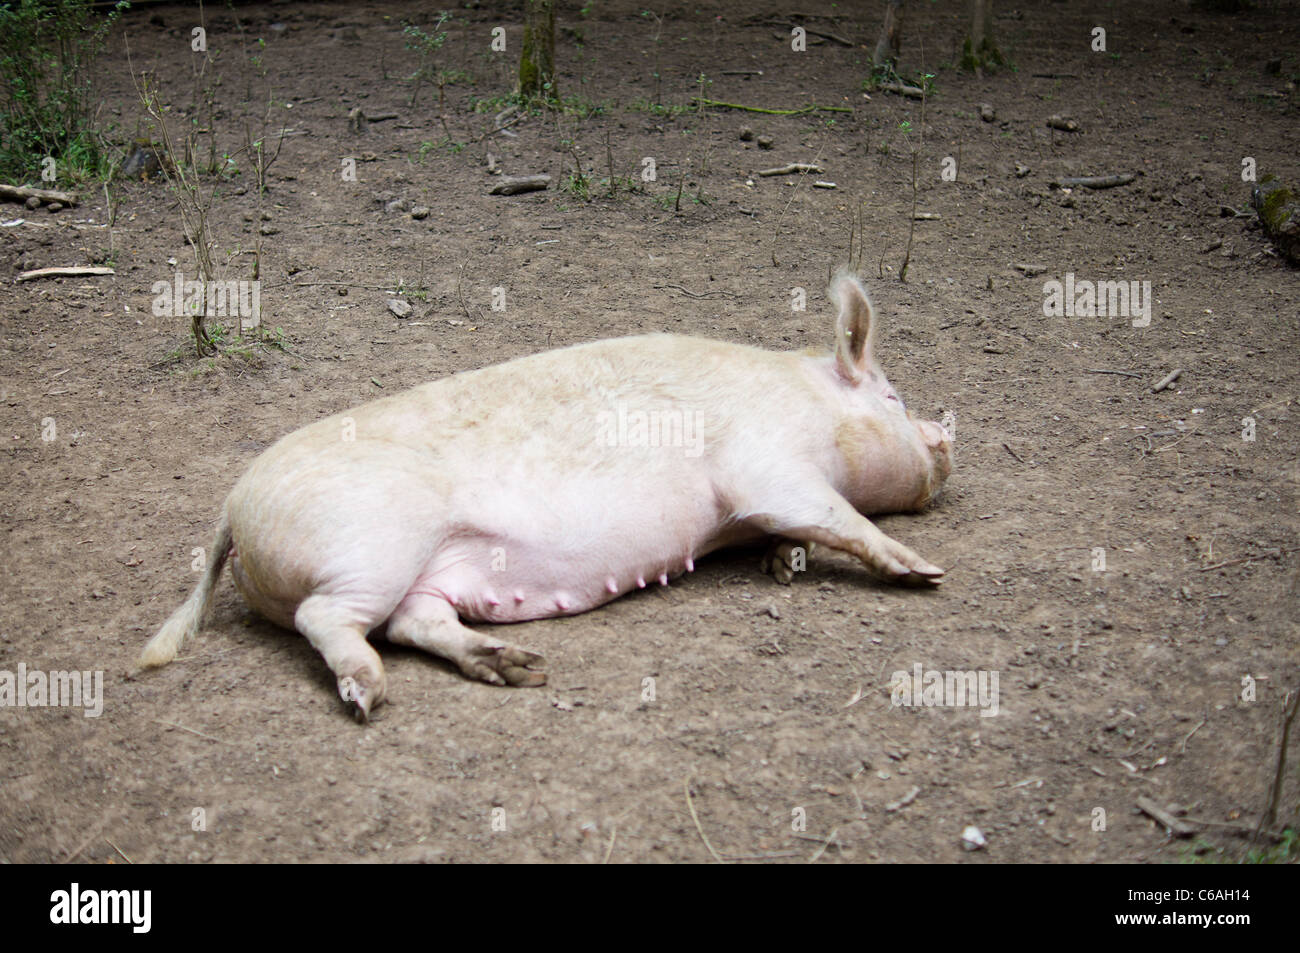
x,y
1286,851
579,185
47,102
427,147
426,44
230,343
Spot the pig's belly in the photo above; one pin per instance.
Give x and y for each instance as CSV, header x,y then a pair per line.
x,y
535,557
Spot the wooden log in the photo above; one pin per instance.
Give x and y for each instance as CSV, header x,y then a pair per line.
x,y
514,184
63,273
902,89
800,167
21,193
1094,181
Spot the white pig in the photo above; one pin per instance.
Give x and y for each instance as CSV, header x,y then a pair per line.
x,y
554,483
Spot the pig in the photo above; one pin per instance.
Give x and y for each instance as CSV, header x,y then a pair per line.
x,y
551,484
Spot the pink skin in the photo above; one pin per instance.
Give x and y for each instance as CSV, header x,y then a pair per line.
x,y
512,493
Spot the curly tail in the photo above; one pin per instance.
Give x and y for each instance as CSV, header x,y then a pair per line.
x,y
184,622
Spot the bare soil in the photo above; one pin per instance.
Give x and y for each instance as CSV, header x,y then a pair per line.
x,y
1115,684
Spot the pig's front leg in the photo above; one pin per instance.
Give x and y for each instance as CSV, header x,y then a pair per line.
x,y
812,510
430,623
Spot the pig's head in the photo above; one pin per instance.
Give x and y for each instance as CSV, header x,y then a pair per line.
x,y
895,461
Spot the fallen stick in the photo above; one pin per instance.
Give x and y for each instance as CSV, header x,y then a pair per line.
x,y
500,127
695,817
902,89
692,294
1246,559
63,273
801,167
1102,370
513,184
172,724
772,112
1165,381
21,193
1175,826
1095,181
827,36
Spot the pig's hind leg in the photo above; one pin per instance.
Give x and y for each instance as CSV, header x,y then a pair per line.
x,y
430,623
785,557
812,510
334,631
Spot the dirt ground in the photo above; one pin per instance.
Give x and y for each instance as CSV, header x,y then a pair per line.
x,y
772,703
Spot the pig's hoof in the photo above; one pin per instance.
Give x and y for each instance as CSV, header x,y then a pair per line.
x,y
914,571
503,664
930,576
785,558
361,693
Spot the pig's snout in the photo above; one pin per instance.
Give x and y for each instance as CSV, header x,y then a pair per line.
x,y
939,442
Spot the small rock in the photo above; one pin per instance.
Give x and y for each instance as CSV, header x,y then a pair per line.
x,y
268,230
399,307
33,203
746,134
773,611
420,212
1021,170
55,206
765,142
972,838
397,205
987,112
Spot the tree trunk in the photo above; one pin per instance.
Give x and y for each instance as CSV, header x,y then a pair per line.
x,y
891,37
979,51
537,58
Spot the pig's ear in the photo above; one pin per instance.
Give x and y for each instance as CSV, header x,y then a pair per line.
x,y
854,327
